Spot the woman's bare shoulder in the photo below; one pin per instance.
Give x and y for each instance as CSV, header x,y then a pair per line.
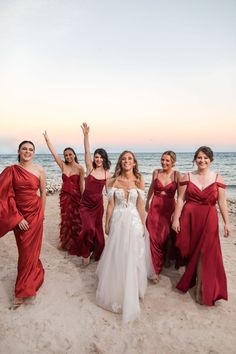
x,y
110,182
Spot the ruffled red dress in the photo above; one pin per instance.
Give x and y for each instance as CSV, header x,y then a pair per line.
x,y
159,220
91,237
18,200
199,236
70,226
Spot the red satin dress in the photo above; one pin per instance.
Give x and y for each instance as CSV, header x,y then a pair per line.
x,y
19,199
199,236
159,220
70,227
91,237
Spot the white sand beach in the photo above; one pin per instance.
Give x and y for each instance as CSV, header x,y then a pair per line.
x,y
66,320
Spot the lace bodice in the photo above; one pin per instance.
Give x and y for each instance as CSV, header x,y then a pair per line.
x,y
125,199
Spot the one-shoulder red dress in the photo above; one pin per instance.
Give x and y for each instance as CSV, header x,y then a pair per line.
x,y
91,237
159,220
199,236
70,227
18,200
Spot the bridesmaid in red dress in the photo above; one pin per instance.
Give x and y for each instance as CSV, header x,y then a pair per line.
x,y
22,210
162,195
196,222
91,237
70,196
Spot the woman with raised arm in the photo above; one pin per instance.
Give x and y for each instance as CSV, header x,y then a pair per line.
x,y
22,210
161,193
70,196
121,271
196,222
91,237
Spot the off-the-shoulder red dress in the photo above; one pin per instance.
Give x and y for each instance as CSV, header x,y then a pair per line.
x,y
199,236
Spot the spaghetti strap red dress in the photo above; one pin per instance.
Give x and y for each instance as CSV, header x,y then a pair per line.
x,y
18,200
91,236
199,236
70,226
159,220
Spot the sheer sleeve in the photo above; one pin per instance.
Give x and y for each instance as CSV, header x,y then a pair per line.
x,y
141,193
9,215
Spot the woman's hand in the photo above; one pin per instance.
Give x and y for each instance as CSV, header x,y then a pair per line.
x,y
107,229
85,128
23,225
45,134
227,230
176,226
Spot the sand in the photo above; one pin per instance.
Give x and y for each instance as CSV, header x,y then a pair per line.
x,y
66,320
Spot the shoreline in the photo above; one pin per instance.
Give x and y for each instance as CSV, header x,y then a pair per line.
x,y
230,201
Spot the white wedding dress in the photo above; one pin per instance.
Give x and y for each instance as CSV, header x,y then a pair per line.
x,y
122,271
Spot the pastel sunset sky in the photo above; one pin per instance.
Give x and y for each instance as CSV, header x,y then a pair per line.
x,y
146,75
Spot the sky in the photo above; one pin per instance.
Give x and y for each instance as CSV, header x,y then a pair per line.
x,y
145,75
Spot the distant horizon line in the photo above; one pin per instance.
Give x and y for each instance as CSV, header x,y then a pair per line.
x,y
118,152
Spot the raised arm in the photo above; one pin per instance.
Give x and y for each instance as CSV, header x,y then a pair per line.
x,y
222,202
53,151
87,154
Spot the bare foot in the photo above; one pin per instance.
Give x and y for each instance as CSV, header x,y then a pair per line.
x,y
155,278
18,301
60,248
85,261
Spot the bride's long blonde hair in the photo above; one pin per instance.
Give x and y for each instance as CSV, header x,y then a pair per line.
x,y
118,169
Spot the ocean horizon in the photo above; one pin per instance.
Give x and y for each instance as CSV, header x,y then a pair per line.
x,y
224,163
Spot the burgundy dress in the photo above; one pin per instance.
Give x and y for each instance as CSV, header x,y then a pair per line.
x,y
18,200
91,237
199,236
70,221
159,220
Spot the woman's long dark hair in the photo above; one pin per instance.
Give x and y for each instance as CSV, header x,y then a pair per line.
x,y
103,154
118,169
22,143
206,150
69,148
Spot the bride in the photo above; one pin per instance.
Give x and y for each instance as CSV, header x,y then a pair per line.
x,y
121,271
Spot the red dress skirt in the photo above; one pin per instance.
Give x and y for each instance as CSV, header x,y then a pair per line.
x,y
70,227
199,236
159,221
91,237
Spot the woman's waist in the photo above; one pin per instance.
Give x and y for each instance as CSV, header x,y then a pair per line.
x,y
91,198
164,194
70,190
29,206
201,202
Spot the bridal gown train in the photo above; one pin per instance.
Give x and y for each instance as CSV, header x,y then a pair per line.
x,y
121,271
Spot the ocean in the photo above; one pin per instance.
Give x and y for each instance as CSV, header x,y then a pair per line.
x,y
224,163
